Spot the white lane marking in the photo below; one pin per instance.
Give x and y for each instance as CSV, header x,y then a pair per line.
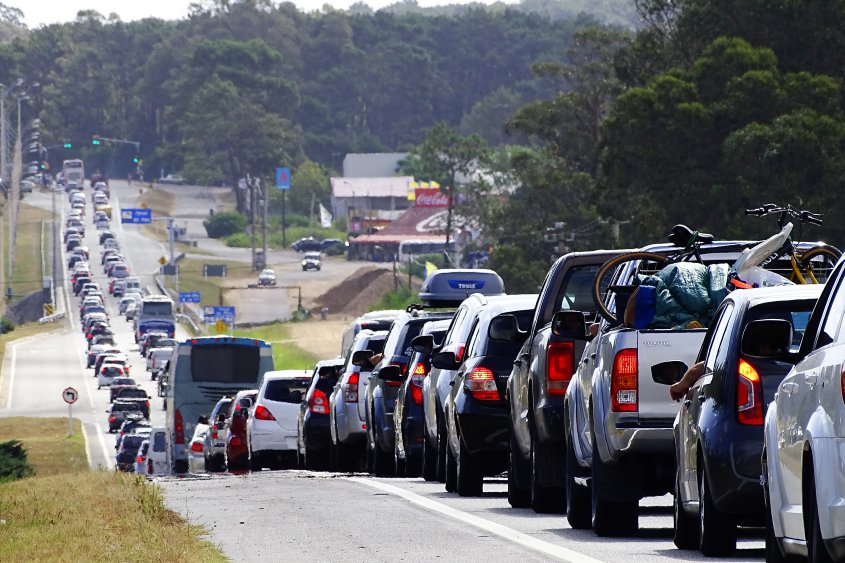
x,y
87,443
11,374
509,534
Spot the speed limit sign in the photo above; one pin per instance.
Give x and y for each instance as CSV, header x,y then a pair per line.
x,y
70,395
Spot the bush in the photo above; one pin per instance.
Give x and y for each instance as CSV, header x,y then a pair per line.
x,y
13,464
224,224
396,299
239,240
6,325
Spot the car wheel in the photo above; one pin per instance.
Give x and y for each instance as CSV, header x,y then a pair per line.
x,y
429,458
451,471
382,462
255,461
518,497
816,550
686,526
578,498
470,481
413,465
716,530
544,500
610,518
442,448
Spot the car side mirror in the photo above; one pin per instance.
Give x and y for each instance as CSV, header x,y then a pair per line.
x,y
766,338
570,324
391,372
668,373
505,328
445,360
424,344
361,358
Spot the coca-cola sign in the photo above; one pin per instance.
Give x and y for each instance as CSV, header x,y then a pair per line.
x,y
430,198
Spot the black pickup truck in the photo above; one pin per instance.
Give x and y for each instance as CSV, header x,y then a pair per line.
x,y
537,385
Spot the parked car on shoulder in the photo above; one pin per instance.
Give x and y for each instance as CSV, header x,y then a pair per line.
x,y
308,244
267,277
718,450
311,261
172,179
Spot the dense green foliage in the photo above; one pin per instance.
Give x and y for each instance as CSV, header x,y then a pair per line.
x,y
13,464
224,224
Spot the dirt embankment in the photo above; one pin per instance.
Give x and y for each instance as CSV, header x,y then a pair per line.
x,y
355,295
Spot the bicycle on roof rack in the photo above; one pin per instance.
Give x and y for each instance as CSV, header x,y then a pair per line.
x,y
810,265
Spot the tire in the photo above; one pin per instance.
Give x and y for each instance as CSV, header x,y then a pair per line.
x,y
429,459
451,471
518,497
816,550
686,526
413,465
819,260
314,461
610,518
470,481
340,458
716,530
605,273
255,462
442,448
544,500
578,498
382,462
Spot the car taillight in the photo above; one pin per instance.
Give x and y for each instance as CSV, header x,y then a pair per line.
x,y
214,435
481,384
178,427
420,371
350,390
139,459
147,403
263,413
196,447
318,404
560,365
112,418
234,440
623,382
749,395
459,352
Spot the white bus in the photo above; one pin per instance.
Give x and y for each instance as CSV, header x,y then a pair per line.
x,y
155,313
410,248
74,171
202,371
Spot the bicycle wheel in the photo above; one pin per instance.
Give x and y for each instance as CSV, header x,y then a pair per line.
x,y
817,263
647,263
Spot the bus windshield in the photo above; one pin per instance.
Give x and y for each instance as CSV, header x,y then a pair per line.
x,y
225,363
157,309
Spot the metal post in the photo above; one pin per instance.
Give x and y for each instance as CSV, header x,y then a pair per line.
x,y
264,224
251,185
170,236
284,241
3,143
69,419
55,267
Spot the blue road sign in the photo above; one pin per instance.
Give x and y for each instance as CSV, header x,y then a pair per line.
x,y
214,314
282,178
136,216
189,297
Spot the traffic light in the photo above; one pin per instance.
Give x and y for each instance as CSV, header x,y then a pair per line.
x,y
96,140
135,160
43,166
68,145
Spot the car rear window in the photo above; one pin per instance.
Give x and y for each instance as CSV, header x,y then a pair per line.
x,y
132,442
577,290
111,371
797,312
132,393
281,389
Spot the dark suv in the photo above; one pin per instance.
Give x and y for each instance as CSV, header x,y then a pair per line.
x,y
307,244
476,410
719,428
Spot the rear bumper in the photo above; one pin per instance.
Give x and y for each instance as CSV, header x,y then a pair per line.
x,y
279,439
316,433
632,435
483,427
348,424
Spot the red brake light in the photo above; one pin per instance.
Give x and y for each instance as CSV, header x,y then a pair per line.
x,y
623,383
214,434
319,403
350,390
420,371
749,395
196,447
139,459
178,427
416,394
112,418
481,383
263,413
560,365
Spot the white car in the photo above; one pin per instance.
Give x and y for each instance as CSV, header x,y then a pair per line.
x,y
271,427
157,356
107,373
804,455
157,462
141,458
267,277
196,453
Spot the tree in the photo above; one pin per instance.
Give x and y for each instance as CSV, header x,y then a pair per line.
x,y
309,183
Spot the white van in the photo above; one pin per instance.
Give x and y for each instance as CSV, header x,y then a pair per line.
x,y
157,462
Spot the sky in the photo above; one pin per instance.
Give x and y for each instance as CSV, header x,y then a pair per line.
x,y
38,12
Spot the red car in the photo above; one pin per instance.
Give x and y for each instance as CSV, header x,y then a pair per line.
x,y
237,450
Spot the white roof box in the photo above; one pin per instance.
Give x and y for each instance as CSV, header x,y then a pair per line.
x,y
448,288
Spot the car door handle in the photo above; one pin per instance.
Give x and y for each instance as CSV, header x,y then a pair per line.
x,y
812,380
702,398
789,388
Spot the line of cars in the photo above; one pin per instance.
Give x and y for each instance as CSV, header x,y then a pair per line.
x,y
138,446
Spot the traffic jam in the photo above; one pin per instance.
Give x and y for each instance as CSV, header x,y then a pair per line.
x,y
706,369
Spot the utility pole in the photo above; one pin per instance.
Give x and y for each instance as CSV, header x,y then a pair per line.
x,y
265,197
451,194
284,241
251,185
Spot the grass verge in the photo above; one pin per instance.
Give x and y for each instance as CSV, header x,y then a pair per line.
x,y
286,354
191,278
27,275
49,450
68,513
94,516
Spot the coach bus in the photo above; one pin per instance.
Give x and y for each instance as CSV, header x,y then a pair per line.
x,y
74,171
201,372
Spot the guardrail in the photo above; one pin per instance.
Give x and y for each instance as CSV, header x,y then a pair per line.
x,y
52,318
188,313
